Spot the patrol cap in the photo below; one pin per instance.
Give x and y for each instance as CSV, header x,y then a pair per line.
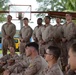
x,y
33,44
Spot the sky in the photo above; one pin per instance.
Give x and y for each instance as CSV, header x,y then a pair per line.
x,y
34,5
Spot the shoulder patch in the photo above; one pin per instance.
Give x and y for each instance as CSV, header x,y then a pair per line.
x,y
30,65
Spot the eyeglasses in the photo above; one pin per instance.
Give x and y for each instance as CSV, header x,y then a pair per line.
x,y
48,53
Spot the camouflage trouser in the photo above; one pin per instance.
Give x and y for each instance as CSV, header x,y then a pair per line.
x,y
69,43
65,48
18,70
17,73
22,48
6,43
64,55
64,52
42,48
1,70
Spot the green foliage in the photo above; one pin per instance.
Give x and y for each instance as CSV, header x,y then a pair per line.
x,y
56,5
71,5
2,17
3,7
0,51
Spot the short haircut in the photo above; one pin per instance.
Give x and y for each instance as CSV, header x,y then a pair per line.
x,y
33,44
25,19
40,19
10,45
69,14
48,17
73,46
10,16
58,18
55,51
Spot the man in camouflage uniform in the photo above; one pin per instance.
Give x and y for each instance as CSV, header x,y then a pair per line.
x,y
72,60
20,65
69,35
9,59
51,56
58,39
35,34
58,32
69,31
8,32
37,62
46,35
25,35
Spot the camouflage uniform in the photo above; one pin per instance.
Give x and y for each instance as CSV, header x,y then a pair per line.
x,y
35,34
54,70
69,33
9,30
8,60
25,34
58,35
46,34
37,37
35,67
20,65
71,72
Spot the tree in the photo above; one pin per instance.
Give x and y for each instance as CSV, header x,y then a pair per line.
x,y
56,5
3,7
71,5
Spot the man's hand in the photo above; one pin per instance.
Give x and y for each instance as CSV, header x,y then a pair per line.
x,y
2,63
7,37
11,61
21,40
64,39
36,40
42,42
6,72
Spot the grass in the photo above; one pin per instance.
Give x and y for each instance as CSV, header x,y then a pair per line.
x,y
8,52
0,51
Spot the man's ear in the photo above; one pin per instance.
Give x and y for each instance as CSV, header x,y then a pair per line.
x,y
51,57
32,49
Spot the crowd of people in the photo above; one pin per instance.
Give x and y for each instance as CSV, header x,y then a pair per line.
x,y
47,55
